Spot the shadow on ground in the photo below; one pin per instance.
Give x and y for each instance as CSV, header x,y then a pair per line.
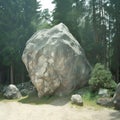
x,y
53,100
115,115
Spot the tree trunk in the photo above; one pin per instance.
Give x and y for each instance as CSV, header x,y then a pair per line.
x,y
22,75
11,74
0,77
117,74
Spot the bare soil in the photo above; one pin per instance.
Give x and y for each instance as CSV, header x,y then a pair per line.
x,y
56,110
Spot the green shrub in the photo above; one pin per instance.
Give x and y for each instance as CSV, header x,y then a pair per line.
x,y
101,78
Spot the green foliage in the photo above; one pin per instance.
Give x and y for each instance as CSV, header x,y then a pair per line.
x,y
45,20
68,12
18,19
35,100
87,94
94,23
101,78
88,97
43,25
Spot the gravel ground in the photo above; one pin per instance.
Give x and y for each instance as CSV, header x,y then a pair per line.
x,y
57,110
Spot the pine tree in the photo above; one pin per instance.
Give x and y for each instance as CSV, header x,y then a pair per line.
x,y
17,18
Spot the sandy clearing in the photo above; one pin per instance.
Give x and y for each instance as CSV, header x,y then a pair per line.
x,y
54,111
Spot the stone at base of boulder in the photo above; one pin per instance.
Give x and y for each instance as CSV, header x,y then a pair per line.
x,y
105,102
103,92
77,99
117,105
12,92
116,97
26,88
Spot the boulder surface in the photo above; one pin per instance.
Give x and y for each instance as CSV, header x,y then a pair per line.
x,y
55,61
116,97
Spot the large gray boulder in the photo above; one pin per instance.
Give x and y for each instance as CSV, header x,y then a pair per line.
x,y
55,61
12,92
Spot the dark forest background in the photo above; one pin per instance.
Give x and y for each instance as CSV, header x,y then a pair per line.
x,y
94,23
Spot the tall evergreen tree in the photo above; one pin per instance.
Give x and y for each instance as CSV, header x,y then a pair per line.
x,y
65,13
114,11
17,18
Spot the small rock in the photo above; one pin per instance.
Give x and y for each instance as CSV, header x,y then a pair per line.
x,y
26,88
77,99
103,92
24,92
12,92
105,102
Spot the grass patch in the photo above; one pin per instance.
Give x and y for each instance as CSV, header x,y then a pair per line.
x,y
30,99
1,97
35,100
89,98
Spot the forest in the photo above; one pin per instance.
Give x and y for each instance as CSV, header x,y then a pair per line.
x,y
94,23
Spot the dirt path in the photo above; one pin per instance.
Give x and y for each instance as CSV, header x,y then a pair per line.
x,y
54,111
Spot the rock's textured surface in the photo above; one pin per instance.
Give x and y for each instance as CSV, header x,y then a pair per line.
x,y
26,88
116,97
103,92
105,101
55,61
77,99
12,92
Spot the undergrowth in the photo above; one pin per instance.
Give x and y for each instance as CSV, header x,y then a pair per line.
x,y
89,99
34,99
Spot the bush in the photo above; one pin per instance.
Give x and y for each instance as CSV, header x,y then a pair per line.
x,y
101,78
